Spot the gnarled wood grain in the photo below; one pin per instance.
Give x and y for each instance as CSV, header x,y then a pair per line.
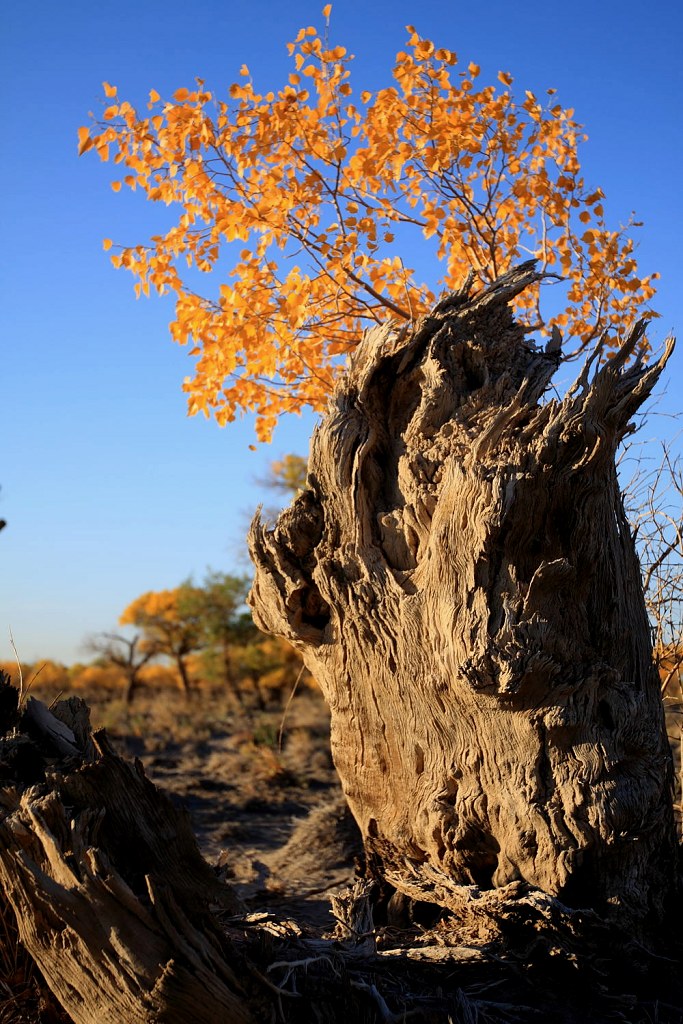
x,y
462,582
111,896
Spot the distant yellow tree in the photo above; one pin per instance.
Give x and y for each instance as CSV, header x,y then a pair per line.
x,y
46,674
170,624
165,677
274,669
287,475
93,678
319,200
129,654
219,610
13,671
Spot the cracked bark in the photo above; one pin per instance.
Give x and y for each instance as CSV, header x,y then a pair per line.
x,y
112,899
461,580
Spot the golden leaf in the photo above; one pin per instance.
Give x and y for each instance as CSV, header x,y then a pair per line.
x,y
477,176
85,141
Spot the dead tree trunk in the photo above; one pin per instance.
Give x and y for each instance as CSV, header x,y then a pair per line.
x,y
111,896
462,582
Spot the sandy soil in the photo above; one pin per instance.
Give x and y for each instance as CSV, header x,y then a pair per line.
x,y
260,790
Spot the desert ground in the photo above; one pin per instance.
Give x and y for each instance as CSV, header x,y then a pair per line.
x,y
259,787
267,810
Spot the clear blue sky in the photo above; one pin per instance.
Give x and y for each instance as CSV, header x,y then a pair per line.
x,y
108,488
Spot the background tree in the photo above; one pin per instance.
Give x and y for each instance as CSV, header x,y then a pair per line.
x,y
47,673
130,654
219,608
286,478
287,475
97,678
208,632
654,503
171,623
315,198
273,667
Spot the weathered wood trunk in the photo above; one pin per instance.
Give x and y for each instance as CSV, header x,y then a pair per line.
x,y
462,582
112,898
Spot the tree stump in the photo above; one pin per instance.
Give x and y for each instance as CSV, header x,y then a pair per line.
x,y
112,898
462,583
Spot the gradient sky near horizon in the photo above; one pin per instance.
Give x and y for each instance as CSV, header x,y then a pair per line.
x,y
107,487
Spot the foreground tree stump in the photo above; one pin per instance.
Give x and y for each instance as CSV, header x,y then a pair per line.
x,y
462,582
112,898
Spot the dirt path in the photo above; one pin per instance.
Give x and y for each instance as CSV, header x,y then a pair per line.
x,y
268,813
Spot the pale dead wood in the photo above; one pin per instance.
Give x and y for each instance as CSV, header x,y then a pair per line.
x,y
108,887
461,581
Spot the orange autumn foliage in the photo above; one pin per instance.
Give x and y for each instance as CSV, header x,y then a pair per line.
x,y
45,674
165,621
90,678
308,202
